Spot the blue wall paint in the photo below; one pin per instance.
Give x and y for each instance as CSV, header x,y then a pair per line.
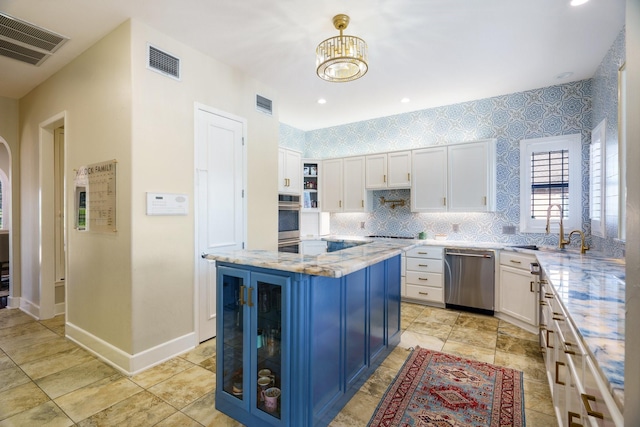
x,y
555,110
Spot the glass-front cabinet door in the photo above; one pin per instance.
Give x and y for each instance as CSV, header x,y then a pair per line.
x,y
271,375
231,330
253,360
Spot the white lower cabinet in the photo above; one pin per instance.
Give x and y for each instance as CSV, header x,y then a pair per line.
x,y
423,278
580,395
518,295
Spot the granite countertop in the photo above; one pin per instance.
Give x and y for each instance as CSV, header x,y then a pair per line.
x,y
592,290
590,287
331,264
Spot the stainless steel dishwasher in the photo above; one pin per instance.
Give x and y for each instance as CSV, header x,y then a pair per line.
x,y
469,280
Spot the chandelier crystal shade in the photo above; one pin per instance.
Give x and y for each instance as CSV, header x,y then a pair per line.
x,y
341,58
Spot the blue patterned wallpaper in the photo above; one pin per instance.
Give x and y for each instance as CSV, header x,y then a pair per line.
x,y
555,110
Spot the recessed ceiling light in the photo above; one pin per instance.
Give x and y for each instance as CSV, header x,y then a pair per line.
x,y
578,2
405,100
564,75
322,101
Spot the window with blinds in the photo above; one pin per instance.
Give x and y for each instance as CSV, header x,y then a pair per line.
x,y
597,180
549,183
551,174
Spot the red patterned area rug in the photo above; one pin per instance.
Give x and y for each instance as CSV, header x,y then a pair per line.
x,y
435,389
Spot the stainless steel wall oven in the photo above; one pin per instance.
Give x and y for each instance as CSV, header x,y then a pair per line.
x,y
288,223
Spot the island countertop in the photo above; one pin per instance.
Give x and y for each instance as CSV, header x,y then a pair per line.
x,y
331,264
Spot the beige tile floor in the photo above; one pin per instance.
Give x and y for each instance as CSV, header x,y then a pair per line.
x,y
46,379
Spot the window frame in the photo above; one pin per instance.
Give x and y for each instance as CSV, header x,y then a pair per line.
x,y
573,144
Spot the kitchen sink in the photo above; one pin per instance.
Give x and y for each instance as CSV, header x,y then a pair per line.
x,y
333,245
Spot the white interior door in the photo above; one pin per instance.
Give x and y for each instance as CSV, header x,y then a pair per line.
x,y
220,164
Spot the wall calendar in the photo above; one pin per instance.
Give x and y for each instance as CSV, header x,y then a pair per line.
x,y
95,191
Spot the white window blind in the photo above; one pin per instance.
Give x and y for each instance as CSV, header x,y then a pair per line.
x,y
597,180
549,182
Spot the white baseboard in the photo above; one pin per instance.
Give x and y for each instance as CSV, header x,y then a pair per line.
x,y
59,309
13,302
30,308
130,364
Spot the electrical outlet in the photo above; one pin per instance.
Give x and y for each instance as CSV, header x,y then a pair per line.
x,y
508,229
362,225
455,228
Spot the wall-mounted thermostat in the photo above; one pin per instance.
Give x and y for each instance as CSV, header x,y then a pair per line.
x,y
167,204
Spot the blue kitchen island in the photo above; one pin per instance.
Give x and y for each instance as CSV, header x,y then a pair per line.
x,y
298,335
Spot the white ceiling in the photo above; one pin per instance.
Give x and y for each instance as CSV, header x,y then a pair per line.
x,y
435,52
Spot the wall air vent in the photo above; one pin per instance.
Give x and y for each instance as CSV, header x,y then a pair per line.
x,y
264,105
163,63
26,42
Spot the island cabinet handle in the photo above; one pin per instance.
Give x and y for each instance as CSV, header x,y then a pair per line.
x,y
549,331
250,299
573,415
531,283
585,401
423,265
422,278
568,348
514,261
241,302
423,293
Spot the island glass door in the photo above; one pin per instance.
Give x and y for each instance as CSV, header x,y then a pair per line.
x,y
231,328
271,376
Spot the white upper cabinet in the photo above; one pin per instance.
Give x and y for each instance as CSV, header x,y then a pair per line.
x,y
388,170
289,171
454,178
343,185
429,189
354,191
471,177
376,171
331,179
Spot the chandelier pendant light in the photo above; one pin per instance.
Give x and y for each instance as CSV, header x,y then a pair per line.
x,y
341,58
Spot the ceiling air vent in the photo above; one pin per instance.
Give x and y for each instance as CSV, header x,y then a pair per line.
x,y
264,105
163,63
26,42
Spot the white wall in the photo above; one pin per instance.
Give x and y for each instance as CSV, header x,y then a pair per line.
x,y
9,133
132,291
94,94
163,161
632,319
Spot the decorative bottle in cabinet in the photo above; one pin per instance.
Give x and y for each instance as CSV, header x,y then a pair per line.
x,y
249,356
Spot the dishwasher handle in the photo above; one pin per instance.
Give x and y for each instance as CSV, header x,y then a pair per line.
x,y
469,255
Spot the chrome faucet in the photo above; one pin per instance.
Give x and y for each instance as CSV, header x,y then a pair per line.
x,y
583,248
561,242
